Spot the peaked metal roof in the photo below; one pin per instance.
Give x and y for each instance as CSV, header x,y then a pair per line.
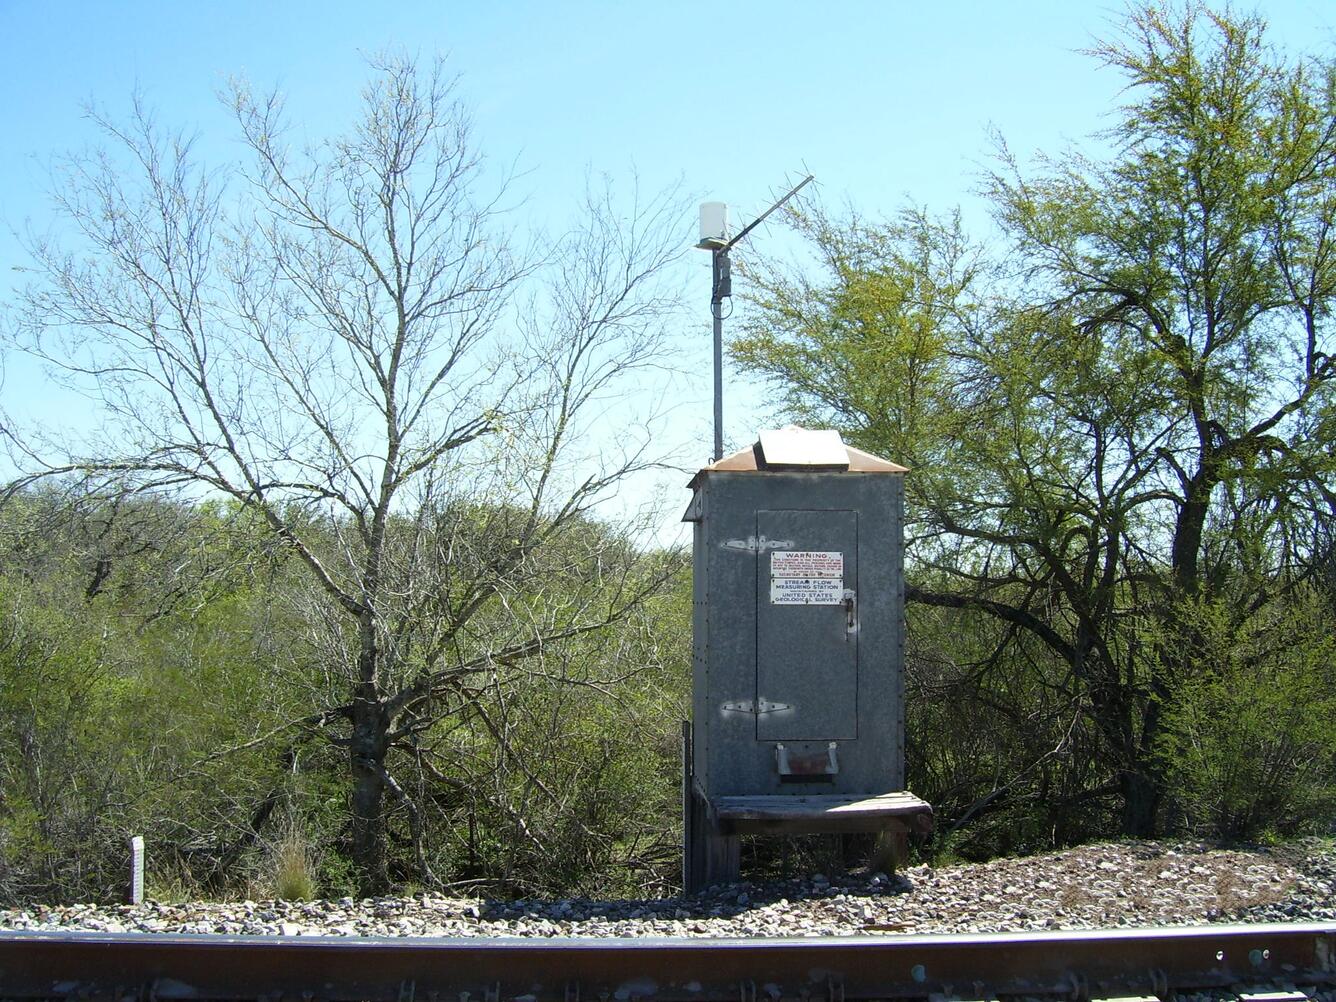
x,y
796,449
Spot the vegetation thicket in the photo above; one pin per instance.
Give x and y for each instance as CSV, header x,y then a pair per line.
x,y
345,345
325,604
1119,422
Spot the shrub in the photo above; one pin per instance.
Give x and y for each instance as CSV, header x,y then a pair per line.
x,y
1252,738
292,867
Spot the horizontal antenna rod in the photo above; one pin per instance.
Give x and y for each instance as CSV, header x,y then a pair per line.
x,y
762,217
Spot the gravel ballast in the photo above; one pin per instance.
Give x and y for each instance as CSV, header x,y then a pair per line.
x,y
1095,886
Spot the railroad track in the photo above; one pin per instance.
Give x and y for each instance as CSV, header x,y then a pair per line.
x,y
1246,963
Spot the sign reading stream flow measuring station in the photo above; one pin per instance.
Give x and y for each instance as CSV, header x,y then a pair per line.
x,y
806,577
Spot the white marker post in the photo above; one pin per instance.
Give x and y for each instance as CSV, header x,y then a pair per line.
x,y
137,870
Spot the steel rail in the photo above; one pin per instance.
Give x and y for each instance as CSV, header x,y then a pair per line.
x,y
1071,965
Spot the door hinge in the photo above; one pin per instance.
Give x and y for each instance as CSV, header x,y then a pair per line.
x,y
755,544
747,706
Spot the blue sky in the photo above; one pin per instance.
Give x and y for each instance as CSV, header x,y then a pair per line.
x,y
880,100
884,102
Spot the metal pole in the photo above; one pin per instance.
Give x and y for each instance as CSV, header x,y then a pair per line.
x,y
717,310
722,289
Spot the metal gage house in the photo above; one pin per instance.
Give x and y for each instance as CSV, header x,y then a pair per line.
x,y
798,650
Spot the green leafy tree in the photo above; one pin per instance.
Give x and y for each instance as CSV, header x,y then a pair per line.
x,y
134,638
1127,415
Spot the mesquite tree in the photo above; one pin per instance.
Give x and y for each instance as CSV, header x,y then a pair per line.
x,y
1125,422
345,342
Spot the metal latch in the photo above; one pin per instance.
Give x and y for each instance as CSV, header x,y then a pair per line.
x,y
850,612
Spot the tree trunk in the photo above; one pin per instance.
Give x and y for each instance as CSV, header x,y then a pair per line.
x,y
367,758
1141,802
1188,532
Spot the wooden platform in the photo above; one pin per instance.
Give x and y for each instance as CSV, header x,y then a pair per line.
x,y
838,813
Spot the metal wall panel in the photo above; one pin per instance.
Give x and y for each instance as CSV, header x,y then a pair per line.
x,y
734,746
806,647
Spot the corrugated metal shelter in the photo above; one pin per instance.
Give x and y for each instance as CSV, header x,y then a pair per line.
x,y
798,649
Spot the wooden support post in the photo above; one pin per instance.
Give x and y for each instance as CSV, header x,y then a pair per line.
x,y
892,851
718,856
690,873
708,857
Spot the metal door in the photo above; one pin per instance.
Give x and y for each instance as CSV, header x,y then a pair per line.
x,y
807,626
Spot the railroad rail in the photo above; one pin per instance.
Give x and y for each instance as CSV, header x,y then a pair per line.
x,y
1251,963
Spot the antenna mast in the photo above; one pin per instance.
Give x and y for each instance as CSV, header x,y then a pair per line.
x,y
714,238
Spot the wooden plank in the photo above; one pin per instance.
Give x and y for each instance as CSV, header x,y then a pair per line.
x,y
715,855
899,811
723,859
780,807
691,875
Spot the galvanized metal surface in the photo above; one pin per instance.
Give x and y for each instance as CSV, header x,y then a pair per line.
x,y
806,654
1079,966
769,673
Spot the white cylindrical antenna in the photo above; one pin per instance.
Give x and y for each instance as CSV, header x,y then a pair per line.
x,y
713,225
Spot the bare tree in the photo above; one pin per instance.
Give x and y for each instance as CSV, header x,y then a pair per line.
x,y
345,342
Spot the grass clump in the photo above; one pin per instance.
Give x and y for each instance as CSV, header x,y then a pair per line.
x,y
293,867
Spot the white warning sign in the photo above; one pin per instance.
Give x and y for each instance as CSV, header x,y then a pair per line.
x,y
806,577
806,564
806,591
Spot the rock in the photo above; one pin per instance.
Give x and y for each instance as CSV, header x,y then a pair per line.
x,y
1039,892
